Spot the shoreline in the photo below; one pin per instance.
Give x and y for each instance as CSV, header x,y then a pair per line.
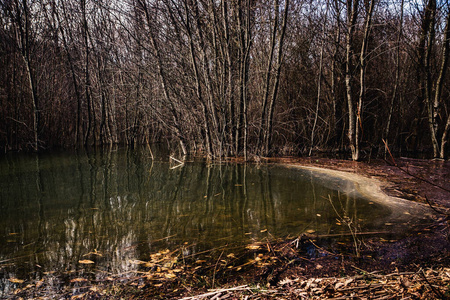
x,y
372,189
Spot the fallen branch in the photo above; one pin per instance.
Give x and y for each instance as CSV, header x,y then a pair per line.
x,y
177,160
180,163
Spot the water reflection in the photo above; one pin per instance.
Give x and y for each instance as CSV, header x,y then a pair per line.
x,y
115,207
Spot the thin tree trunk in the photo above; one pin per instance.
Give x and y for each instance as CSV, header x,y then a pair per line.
x,y
352,10
439,86
239,119
34,103
337,109
78,129
397,75
198,86
362,78
244,48
263,127
24,30
214,134
274,95
87,82
319,83
428,84
445,138
248,40
231,120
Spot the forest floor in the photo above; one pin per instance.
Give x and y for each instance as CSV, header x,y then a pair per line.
x,y
414,267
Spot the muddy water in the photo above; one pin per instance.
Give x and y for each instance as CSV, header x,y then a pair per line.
x,y
116,207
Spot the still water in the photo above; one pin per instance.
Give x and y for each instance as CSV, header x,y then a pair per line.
x,y
114,207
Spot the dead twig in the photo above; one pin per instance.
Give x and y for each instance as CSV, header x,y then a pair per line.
x,y
180,163
215,268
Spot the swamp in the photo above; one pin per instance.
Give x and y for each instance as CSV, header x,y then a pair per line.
x,y
127,222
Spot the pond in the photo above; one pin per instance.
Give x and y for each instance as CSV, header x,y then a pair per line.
x,y
116,207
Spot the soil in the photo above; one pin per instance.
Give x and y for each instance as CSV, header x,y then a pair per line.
x,y
416,266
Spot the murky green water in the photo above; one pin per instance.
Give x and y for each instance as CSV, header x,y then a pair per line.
x,y
118,206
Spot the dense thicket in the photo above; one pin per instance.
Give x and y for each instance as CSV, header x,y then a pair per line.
x,y
239,77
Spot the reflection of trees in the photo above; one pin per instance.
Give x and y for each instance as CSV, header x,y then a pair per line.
x,y
70,207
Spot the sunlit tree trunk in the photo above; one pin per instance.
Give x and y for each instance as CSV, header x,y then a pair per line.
x,y
430,20
352,11
438,101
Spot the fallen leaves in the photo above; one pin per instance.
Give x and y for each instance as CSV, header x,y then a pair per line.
x,y
86,261
78,280
253,247
15,280
429,284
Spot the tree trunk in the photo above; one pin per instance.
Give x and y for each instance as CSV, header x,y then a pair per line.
x,y
268,141
439,86
198,85
397,76
24,42
319,83
352,11
78,126
266,88
87,78
244,40
362,78
428,84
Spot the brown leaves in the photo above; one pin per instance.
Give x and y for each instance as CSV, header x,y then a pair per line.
x,y
253,246
430,284
86,261
78,280
15,280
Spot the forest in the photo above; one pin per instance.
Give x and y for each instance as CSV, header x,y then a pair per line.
x,y
227,78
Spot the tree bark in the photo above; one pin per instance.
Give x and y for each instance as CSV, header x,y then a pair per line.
x,y
319,83
87,78
439,86
78,125
266,88
362,78
273,98
397,75
198,84
352,11
428,84
24,45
